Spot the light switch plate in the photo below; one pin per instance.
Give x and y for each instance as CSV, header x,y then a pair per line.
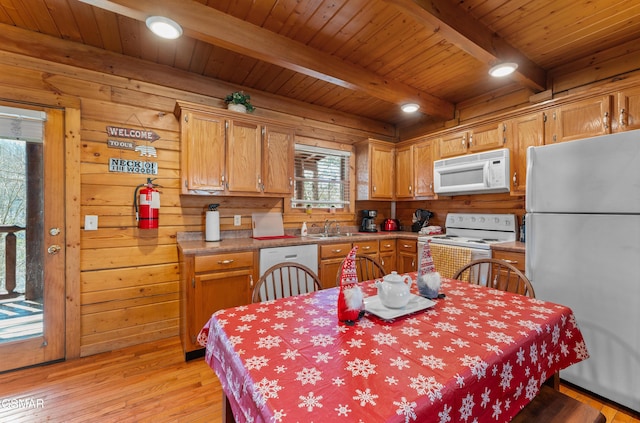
x,y
237,220
90,222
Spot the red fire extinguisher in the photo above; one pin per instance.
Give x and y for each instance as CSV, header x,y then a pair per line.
x,y
149,204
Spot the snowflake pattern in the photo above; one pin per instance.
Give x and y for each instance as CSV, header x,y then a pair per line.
x,y
302,365
359,367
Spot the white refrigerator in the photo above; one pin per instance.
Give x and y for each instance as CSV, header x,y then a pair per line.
x,y
583,250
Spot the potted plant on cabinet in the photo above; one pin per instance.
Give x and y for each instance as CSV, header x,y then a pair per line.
x,y
239,102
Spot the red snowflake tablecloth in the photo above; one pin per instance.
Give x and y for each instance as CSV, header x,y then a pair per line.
x,y
478,355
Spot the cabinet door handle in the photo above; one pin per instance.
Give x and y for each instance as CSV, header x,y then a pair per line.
x,y
387,245
368,247
382,262
470,140
464,141
621,118
229,261
336,251
251,281
605,120
406,245
515,179
511,261
410,188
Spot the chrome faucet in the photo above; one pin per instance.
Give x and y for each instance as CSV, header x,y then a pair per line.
x,y
327,226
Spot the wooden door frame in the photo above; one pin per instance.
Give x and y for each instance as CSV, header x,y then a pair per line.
x,y
72,189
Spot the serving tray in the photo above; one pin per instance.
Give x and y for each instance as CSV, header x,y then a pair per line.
x,y
374,306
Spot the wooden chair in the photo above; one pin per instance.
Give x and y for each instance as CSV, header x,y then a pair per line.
x,y
552,406
495,273
366,269
284,280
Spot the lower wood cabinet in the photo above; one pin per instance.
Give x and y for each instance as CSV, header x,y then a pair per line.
x,y
516,258
388,255
209,283
331,256
407,255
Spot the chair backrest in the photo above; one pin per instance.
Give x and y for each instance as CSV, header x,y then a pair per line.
x,y
366,269
284,280
495,273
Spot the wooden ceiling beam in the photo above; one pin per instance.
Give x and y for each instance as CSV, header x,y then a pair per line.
x,y
470,36
212,26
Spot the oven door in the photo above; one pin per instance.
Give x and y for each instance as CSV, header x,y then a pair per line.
x,y
476,253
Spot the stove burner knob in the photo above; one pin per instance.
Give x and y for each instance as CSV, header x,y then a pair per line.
x,y
482,220
497,219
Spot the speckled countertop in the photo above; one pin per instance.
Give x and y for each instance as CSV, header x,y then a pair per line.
x,y
194,243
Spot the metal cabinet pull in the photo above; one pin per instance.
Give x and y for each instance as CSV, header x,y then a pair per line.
x,y
515,179
368,247
336,251
54,249
470,140
621,118
511,261
226,261
605,120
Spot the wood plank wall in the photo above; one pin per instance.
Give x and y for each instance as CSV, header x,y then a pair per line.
x,y
129,278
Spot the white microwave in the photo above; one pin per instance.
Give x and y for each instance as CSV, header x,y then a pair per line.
x,y
479,173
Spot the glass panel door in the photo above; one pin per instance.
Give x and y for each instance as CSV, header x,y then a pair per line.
x,y
31,236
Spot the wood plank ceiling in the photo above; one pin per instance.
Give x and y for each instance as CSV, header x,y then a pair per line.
x,y
362,57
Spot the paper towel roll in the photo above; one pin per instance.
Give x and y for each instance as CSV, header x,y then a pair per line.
x,y
212,226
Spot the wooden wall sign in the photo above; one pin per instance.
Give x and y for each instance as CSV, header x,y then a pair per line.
x,y
132,133
132,166
122,145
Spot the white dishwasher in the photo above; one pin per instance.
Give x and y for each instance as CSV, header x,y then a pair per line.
x,y
303,254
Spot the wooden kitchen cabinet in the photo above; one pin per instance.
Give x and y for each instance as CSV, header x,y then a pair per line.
x,y
627,115
203,150
407,255
474,140
329,261
523,132
369,248
375,170
515,258
423,169
454,144
414,171
387,253
404,172
244,158
227,153
277,168
209,283
580,119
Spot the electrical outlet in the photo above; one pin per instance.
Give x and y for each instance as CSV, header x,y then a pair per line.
x,y
90,222
237,220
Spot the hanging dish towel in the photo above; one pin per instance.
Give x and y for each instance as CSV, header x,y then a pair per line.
x,y
448,259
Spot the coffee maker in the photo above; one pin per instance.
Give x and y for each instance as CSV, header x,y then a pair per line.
x,y
368,221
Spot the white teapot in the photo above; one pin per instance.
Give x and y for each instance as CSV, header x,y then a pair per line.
x,y
393,291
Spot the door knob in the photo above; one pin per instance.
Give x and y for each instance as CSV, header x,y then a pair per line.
x,y
53,249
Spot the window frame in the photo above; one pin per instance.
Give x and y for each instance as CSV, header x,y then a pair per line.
x,y
345,212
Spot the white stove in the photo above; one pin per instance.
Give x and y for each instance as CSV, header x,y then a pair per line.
x,y
475,230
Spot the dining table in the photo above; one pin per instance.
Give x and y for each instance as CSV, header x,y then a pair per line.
x,y
473,355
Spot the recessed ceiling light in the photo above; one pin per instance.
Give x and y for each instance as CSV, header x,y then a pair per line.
x,y
410,107
503,69
164,27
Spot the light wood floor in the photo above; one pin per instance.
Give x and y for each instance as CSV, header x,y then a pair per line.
x,y
145,383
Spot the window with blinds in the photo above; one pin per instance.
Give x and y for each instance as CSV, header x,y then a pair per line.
x,y
321,177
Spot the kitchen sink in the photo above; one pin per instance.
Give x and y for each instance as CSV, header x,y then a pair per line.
x,y
334,235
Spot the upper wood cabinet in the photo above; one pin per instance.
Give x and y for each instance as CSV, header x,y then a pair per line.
x,y
481,138
405,167
581,119
375,174
203,149
223,153
423,169
523,132
414,170
627,110
278,151
244,158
